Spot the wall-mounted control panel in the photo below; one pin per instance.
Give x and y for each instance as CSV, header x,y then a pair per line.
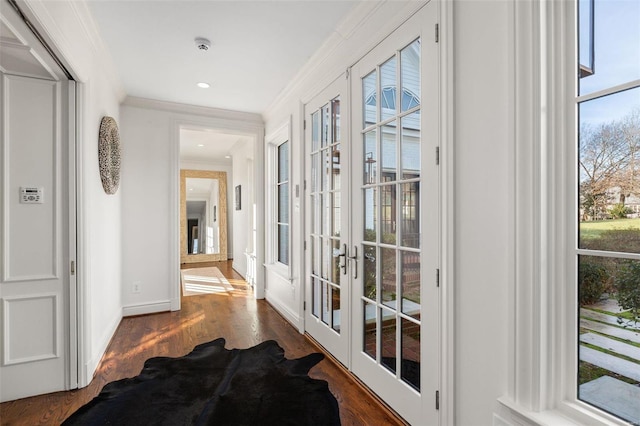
x,y
31,195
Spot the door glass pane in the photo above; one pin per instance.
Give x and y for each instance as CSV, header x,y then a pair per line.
x,y
370,329
315,130
335,263
410,145
325,133
315,259
388,155
410,365
609,164
388,279
326,169
326,302
335,175
335,307
336,214
315,158
410,231
370,157
388,213
410,267
335,119
370,215
388,339
326,213
370,99
369,271
316,290
617,46
410,65
388,87
326,257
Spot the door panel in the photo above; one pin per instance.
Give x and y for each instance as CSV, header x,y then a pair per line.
x,y
395,221
35,280
327,279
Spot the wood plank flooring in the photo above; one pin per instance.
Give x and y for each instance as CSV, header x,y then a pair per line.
x,y
238,317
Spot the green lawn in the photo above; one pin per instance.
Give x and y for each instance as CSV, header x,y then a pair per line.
x,y
595,228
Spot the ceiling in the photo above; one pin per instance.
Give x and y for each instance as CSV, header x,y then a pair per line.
x,y
256,46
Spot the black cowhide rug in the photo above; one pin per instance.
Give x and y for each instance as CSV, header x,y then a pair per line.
x,y
216,386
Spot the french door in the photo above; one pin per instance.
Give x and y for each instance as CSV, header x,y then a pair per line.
x,y
373,219
327,221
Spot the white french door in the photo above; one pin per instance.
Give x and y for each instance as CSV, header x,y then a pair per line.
x,y
373,225
327,221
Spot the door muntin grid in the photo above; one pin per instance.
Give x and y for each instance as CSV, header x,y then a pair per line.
x,y
390,192
326,226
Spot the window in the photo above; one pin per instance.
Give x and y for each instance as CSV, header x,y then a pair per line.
x,y
282,203
568,246
607,247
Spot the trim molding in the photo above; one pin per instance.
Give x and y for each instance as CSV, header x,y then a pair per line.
x,y
283,310
249,120
146,308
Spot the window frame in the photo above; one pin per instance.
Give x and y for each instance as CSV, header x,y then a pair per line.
x,y
278,184
273,141
543,316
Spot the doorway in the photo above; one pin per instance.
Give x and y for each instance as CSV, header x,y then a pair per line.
x,y
219,160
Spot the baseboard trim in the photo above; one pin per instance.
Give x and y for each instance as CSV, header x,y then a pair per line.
x,y
146,308
284,311
399,420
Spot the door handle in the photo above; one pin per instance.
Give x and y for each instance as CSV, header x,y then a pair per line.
x,y
343,261
355,259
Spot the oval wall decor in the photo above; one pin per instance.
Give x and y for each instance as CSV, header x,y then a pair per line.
x,y
109,155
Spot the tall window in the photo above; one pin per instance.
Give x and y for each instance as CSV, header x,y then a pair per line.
x,y
282,193
608,222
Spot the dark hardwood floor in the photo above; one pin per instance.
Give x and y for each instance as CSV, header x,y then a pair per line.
x,y
236,316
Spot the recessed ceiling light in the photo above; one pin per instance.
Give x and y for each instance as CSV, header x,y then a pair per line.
x,y
190,189
200,145
227,156
203,85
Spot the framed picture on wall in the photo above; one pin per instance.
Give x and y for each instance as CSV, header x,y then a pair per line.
x,y
238,197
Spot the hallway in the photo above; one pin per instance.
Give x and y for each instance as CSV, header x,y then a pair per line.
x,y
237,316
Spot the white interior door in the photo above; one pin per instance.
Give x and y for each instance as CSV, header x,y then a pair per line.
x,y
327,286
38,346
395,211
36,216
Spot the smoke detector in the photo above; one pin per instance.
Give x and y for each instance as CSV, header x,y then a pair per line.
x,y
202,44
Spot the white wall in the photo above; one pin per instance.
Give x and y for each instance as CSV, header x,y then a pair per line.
x,y
480,183
69,29
241,153
150,194
482,206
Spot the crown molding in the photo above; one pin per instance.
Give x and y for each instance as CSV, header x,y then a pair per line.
x,y
250,120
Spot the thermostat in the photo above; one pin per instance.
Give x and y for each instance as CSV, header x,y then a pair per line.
x,y
31,195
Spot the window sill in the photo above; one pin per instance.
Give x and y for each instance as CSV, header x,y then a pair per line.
x,y
569,414
279,269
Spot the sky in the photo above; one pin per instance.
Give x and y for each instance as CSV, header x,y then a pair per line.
x,y
616,58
